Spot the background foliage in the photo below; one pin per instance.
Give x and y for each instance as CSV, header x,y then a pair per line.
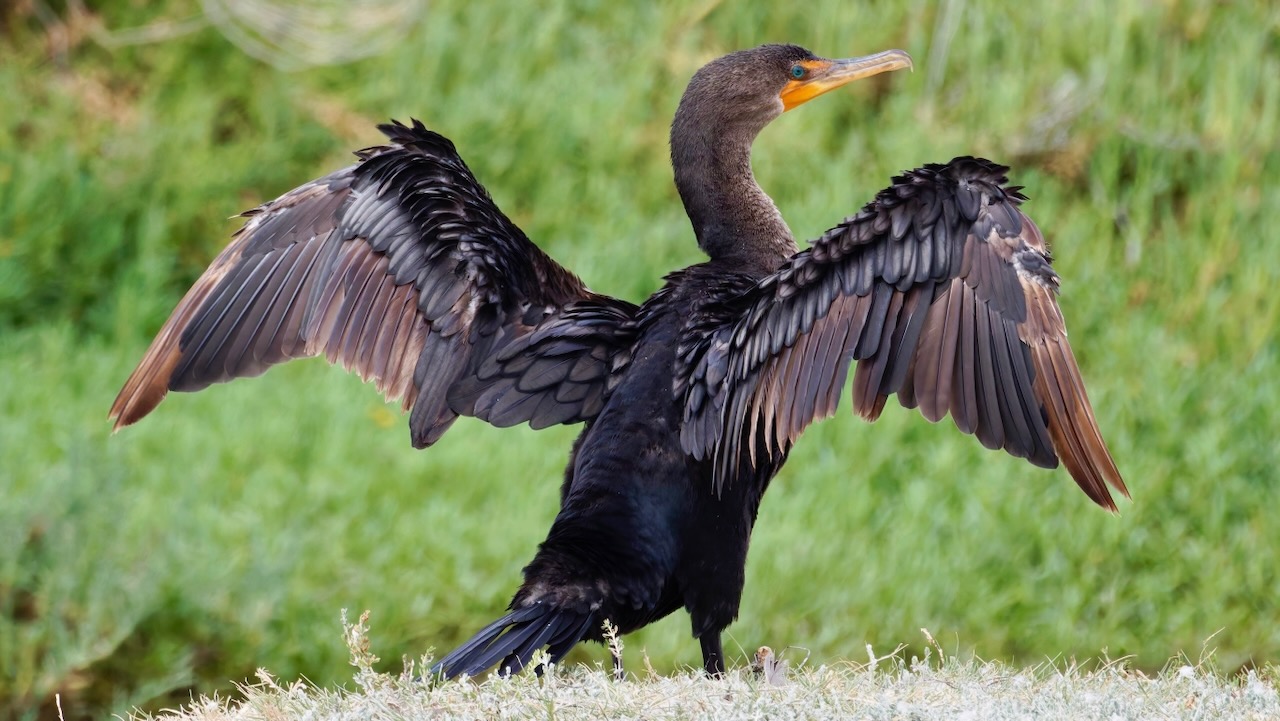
x,y
227,531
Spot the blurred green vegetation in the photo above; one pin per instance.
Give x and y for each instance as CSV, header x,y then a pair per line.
x,y
225,532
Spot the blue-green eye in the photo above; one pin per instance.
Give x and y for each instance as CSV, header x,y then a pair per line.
x,y
797,71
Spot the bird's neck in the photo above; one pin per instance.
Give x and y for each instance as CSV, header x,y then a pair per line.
x,y
732,217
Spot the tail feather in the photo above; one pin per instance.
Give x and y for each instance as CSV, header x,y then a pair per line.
x,y
515,652
569,637
451,663
513,639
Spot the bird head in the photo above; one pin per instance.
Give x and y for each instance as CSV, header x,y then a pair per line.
x,y
749,88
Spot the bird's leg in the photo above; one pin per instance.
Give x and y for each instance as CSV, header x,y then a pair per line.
x,y
712,655
618,673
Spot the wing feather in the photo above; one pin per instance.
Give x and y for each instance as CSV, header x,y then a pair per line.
x,y
241,344
941,291
964,391
401,269
991,425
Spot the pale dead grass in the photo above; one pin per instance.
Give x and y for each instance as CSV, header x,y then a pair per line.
x,y
883,688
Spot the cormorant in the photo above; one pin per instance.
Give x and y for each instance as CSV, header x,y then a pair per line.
x,y
401,268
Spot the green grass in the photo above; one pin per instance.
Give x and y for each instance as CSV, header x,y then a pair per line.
x,y
225,532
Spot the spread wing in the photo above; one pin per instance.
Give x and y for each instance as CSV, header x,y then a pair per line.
x,y
942,291
402,269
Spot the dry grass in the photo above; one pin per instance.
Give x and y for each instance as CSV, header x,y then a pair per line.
x,y
883,688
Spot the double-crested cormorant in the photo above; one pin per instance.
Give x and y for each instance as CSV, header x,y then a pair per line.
x,y
402,269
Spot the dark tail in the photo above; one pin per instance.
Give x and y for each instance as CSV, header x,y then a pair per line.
x,y
513,639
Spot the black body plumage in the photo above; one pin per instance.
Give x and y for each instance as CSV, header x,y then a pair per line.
x,y
402,269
